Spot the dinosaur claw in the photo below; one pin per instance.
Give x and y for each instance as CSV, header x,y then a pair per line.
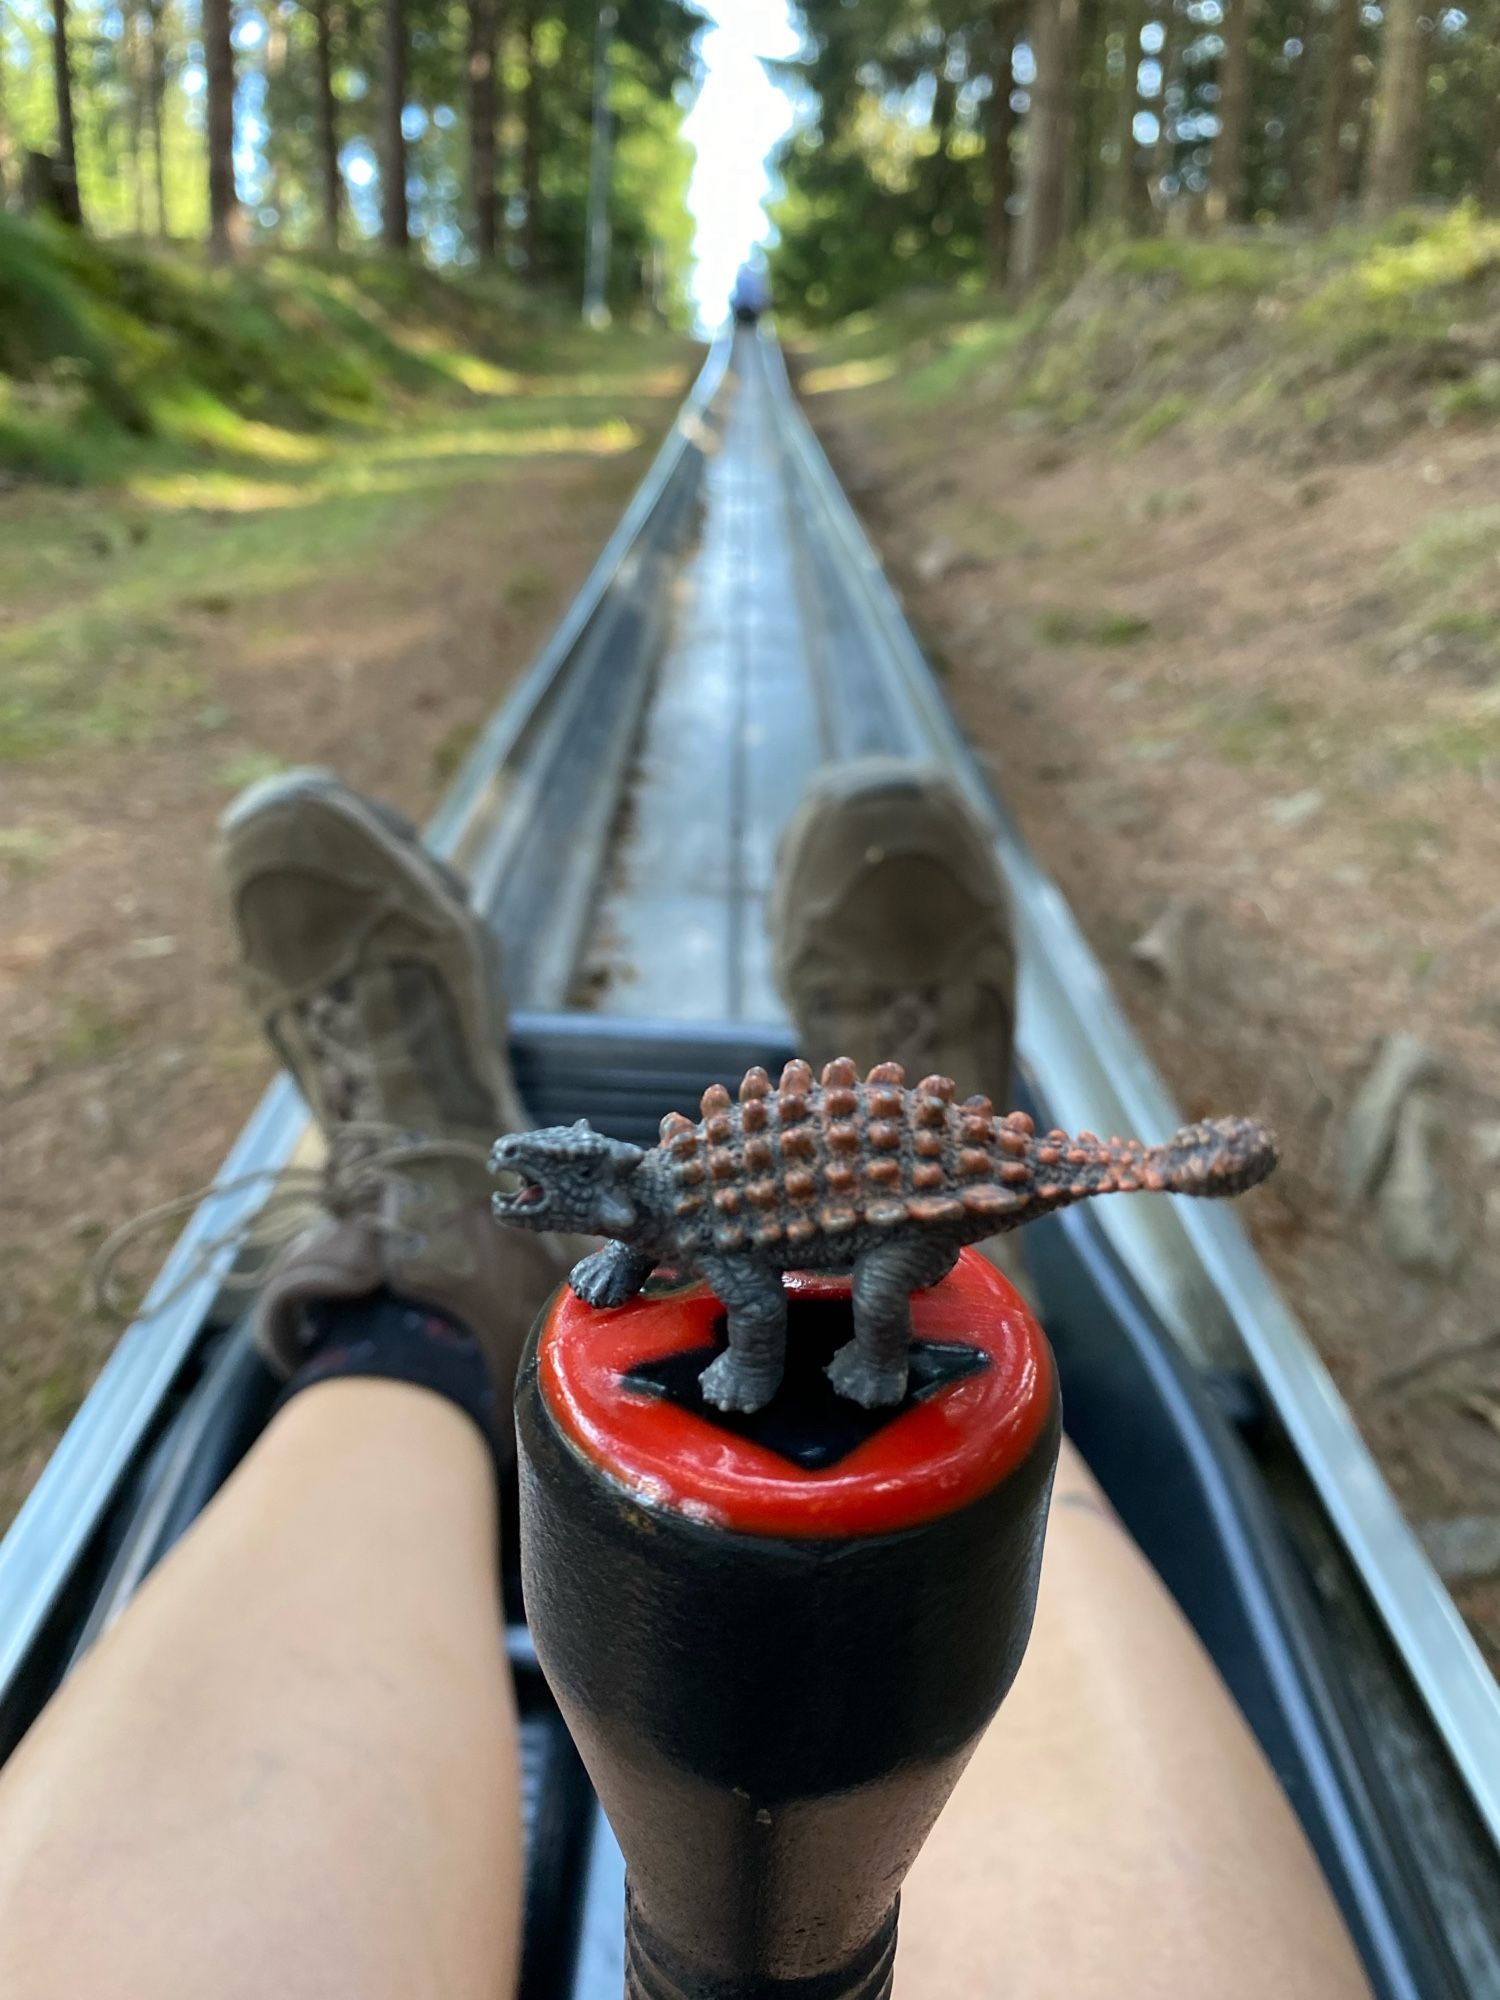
x,y
861,1382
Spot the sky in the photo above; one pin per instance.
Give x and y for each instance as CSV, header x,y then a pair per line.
x,y
739,118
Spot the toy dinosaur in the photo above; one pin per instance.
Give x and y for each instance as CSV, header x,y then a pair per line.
x,y
875,1177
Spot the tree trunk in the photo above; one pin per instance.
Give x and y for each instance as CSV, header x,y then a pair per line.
x,y
218,63
531,151
65,180
395,222
1391,172
156,81
1005,23
274,196
7,143
484,190
132,62
1089,119
331,181
1226,167
1053,35
1333,116
1125,188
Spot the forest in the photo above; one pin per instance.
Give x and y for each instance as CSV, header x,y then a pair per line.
x,y
951,143
459,129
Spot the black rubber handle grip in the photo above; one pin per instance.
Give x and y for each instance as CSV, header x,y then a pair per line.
x,y
776,1652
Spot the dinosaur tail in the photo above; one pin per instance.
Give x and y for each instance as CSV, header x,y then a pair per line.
x,y
1219,1156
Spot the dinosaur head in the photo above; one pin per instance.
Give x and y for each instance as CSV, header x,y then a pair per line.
x,y
567,1177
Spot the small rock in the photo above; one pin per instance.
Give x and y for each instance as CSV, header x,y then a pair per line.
x,y
1166,946
1401,1064
1465,1549
1295,809
935,561
1416,1217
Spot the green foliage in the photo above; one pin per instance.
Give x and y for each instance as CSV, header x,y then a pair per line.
x,y
1302,344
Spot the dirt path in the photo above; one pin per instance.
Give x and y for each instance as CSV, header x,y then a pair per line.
x,y
1216,690
126,1064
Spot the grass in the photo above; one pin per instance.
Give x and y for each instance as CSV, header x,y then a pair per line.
x,y
1302,344
1092,628
198,441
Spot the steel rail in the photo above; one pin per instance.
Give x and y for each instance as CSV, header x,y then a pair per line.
x,y
1192,1261
59,1518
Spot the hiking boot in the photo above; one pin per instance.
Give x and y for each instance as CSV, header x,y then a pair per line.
x,y
379,989
892,938
891,926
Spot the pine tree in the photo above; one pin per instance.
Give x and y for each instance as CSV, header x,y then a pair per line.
x,y
1049,135
65,185
395,224
1226,189
1391,172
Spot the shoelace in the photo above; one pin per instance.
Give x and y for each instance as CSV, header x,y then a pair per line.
x,y
362,1157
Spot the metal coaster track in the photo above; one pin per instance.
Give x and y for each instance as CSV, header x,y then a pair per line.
x,y
618,822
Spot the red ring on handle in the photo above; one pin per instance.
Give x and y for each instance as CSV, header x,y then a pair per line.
x,y
930,1460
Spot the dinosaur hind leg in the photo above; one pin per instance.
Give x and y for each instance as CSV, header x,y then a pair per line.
x,y
871,1369
748,1373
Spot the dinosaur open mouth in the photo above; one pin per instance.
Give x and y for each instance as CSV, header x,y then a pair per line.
x,y
518,1190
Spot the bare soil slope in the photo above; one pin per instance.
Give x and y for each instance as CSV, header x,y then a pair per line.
x,y
1251,690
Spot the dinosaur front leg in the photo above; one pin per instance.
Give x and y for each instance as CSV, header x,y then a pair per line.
x,y
871,1369
748,1374
612,1275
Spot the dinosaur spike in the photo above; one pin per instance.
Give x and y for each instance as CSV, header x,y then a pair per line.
x,y
887,1072
840,1071
754,1083
884,1173
927,1174
835,1219
840,1176
727,1201
757,1156
885,1135
715,1098
721,1164
792,1106
886,1102
929,1144
937,1208
796,1077
989,1201
674,1125
930,1112
687,1204
886,1214
1013,1172
974,1160
687,1173
840,1101
762,1194
801,1184
755,1115
975,1131
938,1086
1010,1141
798,1144
843,1138
1020,1121
685,1145
801,1229
978,1106
719,1129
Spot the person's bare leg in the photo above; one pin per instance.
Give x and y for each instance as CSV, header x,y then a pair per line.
x,y
291,1768
1118,1833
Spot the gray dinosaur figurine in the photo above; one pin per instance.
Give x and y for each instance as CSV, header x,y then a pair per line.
x,y
876,1178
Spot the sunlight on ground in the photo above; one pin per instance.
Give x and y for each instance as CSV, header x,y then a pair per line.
x,y
847,375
